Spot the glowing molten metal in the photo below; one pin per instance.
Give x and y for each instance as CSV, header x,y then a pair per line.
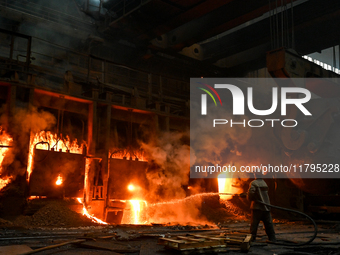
x,y
86,213
226,184
136,209
94,219
136,213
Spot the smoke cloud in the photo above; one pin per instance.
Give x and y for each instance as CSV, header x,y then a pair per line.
x,y
170,164
22,124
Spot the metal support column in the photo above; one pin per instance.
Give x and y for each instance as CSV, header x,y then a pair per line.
x,y
92,124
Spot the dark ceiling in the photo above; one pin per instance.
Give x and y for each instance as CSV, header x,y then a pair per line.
x,y
216,37
225,33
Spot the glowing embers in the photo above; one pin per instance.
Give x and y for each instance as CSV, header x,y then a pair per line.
x,y
5,142
59,180
227,185
86,213
135,212
136,155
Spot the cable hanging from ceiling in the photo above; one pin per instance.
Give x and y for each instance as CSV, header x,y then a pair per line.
x,y
281,20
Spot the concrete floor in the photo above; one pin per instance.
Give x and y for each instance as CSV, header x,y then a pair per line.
x,y
143,239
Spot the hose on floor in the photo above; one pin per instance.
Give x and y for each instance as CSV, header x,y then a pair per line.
x,y
293,211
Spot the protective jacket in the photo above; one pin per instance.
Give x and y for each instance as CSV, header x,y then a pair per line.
x,y
258,190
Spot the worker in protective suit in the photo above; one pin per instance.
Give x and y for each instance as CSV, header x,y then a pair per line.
x,y
258,191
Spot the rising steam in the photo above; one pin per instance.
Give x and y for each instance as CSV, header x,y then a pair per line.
x,y
170,165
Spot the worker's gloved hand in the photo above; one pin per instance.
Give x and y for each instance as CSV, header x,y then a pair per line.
x,y
243,194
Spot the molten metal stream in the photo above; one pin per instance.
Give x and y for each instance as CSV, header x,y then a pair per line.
x,y
94,219
86,213
136,209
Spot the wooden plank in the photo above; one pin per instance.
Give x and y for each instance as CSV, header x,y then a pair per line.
x,y
245,246
233,240
172,243
171,240
191,239
14,249
235,237
206,250
189,244
197,244
248,238
53,246
210,238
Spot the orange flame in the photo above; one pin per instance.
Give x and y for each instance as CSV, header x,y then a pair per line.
x,y
121,154
5,140
131,187
61,144
59,180
36,197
